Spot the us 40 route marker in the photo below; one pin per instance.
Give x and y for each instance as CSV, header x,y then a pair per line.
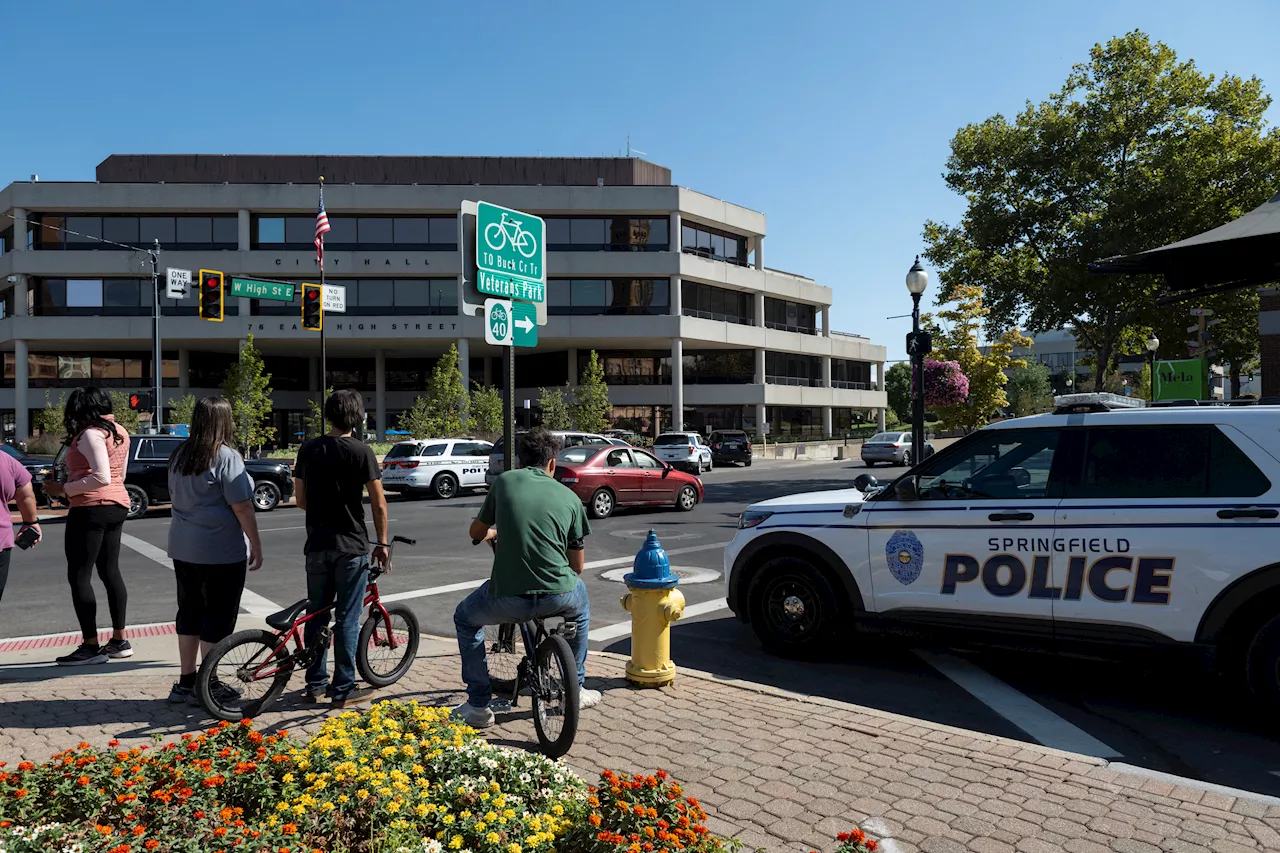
x,y
508,323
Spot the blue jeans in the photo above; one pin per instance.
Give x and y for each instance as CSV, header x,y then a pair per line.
x,y
479,609
338,579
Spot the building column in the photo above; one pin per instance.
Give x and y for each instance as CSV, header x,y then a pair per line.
x,y
21,410
826,422
826,371
760,362
674,236
826,321
677,385
880,427
380,391
677,296
573,367
19,229
20,297
760,419
880,386
760,309
244,242
760,252
184,371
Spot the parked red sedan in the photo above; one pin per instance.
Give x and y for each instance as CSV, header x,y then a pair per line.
x,y
609,477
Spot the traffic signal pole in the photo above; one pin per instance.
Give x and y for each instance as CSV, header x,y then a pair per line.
x,y
157,401
509,409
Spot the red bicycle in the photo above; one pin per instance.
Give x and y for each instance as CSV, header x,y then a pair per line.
x,y
247,671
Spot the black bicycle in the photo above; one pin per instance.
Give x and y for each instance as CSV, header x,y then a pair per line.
x,y
546,670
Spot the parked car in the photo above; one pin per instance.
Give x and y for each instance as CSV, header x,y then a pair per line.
x,y
146,478
568,438
609,477
684,450
619,442
436,466
891,447
39,467
730,445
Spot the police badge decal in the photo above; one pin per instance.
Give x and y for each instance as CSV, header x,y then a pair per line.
x,y
904,555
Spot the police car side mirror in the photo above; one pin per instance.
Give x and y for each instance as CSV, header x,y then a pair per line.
x,y
1021,476
863,482
905,489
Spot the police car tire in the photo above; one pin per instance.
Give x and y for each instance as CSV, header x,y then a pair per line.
x,y
794,576
445,485
1262,664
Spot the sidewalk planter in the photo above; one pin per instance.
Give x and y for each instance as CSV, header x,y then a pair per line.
x,y
398,778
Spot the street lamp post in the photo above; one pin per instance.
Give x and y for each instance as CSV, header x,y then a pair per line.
x,y
1153,344
917,347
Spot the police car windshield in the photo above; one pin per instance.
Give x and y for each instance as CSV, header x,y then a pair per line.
x,y
402,450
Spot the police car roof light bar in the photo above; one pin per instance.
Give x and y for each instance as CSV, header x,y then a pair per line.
x,y
1068,404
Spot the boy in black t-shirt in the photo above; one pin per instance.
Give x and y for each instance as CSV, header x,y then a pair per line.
x,y
330,477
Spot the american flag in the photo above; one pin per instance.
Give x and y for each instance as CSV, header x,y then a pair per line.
x,y
322,227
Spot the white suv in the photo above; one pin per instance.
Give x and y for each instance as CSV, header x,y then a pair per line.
x,y
684,450
435,466
1088,528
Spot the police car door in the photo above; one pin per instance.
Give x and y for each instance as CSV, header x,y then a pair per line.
x,y
472,460
1158,519
963,551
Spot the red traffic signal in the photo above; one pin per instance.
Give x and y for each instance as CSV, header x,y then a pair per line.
x,y
312,308
211,296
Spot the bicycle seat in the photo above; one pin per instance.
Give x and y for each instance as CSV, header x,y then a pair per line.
x,y
282,619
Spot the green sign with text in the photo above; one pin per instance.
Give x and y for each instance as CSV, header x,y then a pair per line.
x,y
511,255
1183,379
250,288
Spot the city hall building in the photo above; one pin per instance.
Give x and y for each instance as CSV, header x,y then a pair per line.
x,y
667,285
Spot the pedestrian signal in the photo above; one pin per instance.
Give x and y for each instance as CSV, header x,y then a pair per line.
x,y
140,402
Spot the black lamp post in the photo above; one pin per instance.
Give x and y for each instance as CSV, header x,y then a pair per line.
x,y
918,346
1153,345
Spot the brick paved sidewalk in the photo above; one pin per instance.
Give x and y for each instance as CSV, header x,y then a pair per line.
x,y
776,771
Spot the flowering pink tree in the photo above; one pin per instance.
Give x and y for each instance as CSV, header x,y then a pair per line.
x,y
944,384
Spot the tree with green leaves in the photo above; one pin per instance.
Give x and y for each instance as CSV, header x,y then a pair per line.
x,y
447,399
486,410
897,382
417,420
183,408
1029,389
1136,150
592,408
48,421
124,414
247,387
313,424
555,409
957,339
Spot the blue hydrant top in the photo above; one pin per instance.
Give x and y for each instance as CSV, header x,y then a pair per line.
x,y
651,569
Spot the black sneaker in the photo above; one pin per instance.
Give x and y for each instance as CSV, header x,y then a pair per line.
x,y
315,695
88,653
118,649
223,694
179,695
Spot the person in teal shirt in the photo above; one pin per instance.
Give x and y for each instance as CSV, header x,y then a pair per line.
x,y
537,568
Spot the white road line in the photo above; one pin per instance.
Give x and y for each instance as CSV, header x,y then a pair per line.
x,y
671,552
1024,712
433,590
622,629
251,602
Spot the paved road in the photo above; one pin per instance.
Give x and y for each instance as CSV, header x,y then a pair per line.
x,y
1153,716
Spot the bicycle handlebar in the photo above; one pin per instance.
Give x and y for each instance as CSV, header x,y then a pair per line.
x,y
405,539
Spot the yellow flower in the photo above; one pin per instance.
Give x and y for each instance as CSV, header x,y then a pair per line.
x,y
535,824
326,806
342,798
492,838
447,820
465,814
280,807
455,842
421,810
299,810
393,806
490,816
361,794
480,826
557,810
287,778
509,813
532,840
417,770
513,848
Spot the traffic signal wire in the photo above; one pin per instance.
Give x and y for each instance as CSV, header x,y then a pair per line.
x,y
43,226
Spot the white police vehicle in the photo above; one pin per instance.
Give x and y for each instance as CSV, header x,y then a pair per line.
x,y
1092,529
435,466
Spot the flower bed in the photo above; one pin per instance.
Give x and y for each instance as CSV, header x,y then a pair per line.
x,y
398,778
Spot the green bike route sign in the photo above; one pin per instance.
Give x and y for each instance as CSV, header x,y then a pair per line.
x,y
508,323
250,288
511,256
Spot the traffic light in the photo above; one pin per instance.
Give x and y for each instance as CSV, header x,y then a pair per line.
x,y
140,401
211,298
312,308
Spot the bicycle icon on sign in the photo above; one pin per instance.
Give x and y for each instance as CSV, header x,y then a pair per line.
x,y
498,233
499,321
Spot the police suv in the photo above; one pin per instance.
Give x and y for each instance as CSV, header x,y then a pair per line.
x,y
435,466
1094,529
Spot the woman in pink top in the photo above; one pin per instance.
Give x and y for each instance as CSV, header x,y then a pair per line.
x,y
97,453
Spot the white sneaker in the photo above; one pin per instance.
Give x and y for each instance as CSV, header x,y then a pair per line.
x,y
588,698
477,718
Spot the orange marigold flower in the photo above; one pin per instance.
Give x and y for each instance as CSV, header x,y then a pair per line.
x,y
151,844
103,829
289,829
595,820
255,737
226,813
82,781
651,812
82,745
661,774
283,733
220,831
638,811
139,830
199,815
871,844
25,766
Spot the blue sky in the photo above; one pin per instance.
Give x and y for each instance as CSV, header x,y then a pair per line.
x,y
832,117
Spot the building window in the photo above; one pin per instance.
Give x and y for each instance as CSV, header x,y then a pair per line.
x,y
710,243
175,233
787,368
607,234
794,421
358,233
594,296
717,303
790,316
719,367
111,370
542,369
854,375
708,419
377,297
288,373
110,297
631,367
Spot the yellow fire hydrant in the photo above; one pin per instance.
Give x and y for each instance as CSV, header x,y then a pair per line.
x,y
654,603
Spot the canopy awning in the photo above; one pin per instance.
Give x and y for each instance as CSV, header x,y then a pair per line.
x,y
1245,252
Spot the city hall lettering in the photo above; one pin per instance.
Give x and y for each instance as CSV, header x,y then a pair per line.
x,y
349,326
1114,578
335,262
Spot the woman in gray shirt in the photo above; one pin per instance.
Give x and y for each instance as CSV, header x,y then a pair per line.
x,y
213,539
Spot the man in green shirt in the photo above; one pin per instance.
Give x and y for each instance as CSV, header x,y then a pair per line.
x,y
537,567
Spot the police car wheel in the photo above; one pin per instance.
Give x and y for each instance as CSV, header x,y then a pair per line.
x,y
1262,664
444,485
794,610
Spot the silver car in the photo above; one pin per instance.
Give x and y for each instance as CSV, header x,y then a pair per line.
x,y
891,447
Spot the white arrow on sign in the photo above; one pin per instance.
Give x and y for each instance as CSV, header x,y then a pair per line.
x,y
524,324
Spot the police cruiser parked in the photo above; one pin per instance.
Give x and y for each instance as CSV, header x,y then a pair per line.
x,y
1095,528
435,466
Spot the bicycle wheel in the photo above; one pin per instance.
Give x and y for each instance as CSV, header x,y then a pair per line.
x,y
526,244
502,646
555,696
496,243
379,662
244,674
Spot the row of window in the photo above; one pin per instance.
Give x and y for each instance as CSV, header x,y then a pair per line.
x,y
717,303
97,297
785,368
790,316
118,370
710,243
183,233
363,233
592,296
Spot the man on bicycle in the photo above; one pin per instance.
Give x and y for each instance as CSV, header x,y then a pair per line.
x,y
537,564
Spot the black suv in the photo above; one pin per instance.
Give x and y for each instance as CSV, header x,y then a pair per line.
x,y
146,478
39,467
730,445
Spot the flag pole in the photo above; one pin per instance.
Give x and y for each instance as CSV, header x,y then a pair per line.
x,y
324,375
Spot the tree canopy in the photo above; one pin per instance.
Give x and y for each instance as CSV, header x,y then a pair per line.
x,y
591,408
897,382
248,388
